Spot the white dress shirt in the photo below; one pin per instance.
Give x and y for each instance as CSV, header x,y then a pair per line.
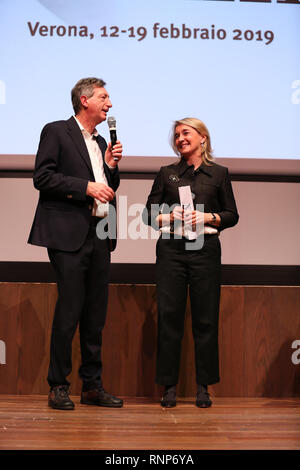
x,y
100,209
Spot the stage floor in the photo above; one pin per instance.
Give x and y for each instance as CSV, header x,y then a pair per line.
x,y
27,423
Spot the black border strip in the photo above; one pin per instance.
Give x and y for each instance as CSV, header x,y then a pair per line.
x,y
142,273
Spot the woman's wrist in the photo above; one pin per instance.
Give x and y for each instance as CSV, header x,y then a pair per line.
x,y
213,219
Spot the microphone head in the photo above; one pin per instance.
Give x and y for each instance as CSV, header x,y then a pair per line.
x,y
111,121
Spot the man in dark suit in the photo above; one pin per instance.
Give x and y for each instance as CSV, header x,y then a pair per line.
x,y
77,176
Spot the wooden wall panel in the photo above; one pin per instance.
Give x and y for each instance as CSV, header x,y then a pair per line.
x,y
257,328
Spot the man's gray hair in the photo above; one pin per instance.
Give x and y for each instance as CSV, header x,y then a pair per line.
x,y
85,86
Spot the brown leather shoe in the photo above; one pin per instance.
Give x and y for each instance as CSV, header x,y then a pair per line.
x,y
100,397
59,398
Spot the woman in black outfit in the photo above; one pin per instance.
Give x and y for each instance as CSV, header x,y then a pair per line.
x,y
182,261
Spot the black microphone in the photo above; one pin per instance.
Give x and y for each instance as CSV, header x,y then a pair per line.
x,y
111,121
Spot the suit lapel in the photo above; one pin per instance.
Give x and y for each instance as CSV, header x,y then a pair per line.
x,y
79,142
103,146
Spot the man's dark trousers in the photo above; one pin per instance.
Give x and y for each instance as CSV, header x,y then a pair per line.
x,y
82,282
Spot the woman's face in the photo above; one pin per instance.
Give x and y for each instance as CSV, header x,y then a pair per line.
x,y
188,141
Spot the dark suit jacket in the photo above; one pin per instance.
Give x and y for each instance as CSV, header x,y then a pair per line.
x,y
62,171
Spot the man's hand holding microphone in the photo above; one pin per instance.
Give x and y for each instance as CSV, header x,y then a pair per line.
x,y
113,155
114,150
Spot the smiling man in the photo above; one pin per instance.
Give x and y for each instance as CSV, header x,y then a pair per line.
x,y
77,175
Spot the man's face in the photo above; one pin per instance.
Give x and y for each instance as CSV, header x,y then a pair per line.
x,y
98,105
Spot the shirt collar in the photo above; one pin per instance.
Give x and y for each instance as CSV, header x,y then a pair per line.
x,y
84,131
183,167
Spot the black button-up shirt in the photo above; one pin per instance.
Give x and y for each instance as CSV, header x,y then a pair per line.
x,y
210,185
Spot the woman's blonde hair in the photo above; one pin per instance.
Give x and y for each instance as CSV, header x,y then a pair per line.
x,y
200,127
